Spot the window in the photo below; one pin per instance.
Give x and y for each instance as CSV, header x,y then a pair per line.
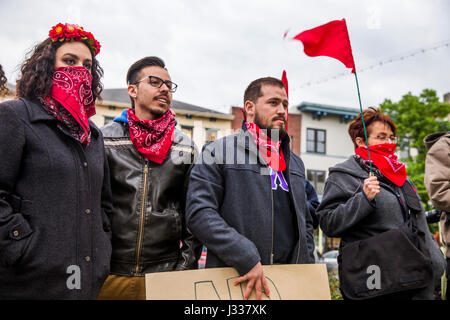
x,y
108,119
317,179
211,134
403,149
315,140
187,130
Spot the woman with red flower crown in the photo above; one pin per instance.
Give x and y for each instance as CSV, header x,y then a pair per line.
x,y
55,196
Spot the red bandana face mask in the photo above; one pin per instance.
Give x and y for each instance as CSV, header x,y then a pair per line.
x,y
72,89
382,155
152,138
71,101
270,150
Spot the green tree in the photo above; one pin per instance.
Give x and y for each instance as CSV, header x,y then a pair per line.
x,y
415,118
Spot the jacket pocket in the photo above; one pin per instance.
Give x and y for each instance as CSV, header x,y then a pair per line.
x,y
178,226
18,232
19,238
162,233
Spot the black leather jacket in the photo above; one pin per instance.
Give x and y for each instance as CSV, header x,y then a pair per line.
x,y
148,223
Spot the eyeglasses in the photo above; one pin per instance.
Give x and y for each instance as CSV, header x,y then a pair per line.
x,y
393,139
158,82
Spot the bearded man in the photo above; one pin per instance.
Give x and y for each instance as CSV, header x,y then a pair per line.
x,y
246,200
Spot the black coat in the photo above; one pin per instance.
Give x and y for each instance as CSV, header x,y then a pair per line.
x,y
54,225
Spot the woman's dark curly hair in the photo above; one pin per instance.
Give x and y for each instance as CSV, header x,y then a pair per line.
x,y
37,72
3,88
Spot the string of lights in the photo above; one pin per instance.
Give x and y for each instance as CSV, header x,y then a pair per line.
x,y
380,63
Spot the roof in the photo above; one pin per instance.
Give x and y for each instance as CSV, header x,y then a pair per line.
x,y
120,96
324,108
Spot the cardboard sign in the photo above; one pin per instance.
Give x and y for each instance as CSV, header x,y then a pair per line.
x,y
286,282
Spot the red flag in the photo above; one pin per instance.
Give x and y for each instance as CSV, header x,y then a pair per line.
x,y
331,40
243,113
285,81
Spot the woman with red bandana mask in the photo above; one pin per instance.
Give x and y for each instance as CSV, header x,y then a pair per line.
x,y
366,198
54,179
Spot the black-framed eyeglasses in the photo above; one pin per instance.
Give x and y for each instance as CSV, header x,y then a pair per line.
x,y
158,82
393,139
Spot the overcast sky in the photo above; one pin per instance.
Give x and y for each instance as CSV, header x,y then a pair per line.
x,y
213,49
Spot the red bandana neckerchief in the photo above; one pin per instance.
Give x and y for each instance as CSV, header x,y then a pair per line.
x,y
71,100
382,155
270,150
152,138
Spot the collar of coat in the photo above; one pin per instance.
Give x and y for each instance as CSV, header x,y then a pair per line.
x,y
37,113
244,141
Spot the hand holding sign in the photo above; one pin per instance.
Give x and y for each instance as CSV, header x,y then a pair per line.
x,y
256,279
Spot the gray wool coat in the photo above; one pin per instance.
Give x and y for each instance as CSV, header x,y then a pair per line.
x,y
230,206
346,213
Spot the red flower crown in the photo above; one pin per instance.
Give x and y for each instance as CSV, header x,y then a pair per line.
x,y
72,32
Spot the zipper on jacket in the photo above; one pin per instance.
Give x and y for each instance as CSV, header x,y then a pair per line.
x,y
273,219
142,220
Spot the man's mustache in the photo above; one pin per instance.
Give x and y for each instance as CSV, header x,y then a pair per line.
x,y
279,118
162,96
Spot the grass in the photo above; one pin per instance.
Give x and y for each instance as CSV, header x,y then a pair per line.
x,y
333,280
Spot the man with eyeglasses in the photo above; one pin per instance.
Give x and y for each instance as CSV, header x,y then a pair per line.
x,y
149,163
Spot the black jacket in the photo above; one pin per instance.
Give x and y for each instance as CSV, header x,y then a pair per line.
x,y
53,217
230,205
148,221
